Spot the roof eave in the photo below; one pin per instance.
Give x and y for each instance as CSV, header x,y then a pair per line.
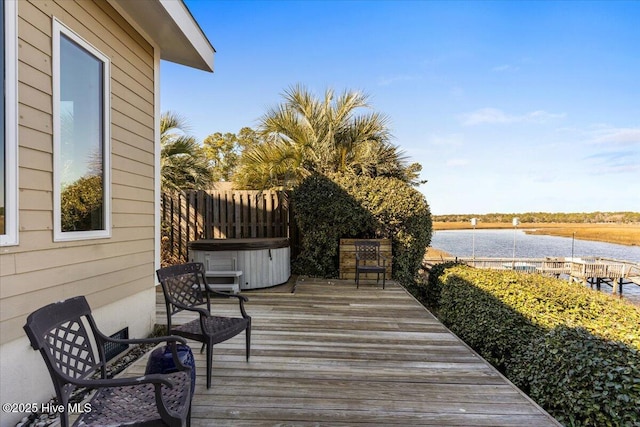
x,y
172,28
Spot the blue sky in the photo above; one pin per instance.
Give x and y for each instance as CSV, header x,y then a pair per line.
x,y
508,106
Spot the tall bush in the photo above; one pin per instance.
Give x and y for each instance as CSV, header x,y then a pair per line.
x,y
328,208
401,214
325,212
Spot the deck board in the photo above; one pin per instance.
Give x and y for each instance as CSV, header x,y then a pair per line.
x,y
331,354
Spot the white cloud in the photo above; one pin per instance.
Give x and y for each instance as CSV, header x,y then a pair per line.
x,y
616,161
485,115
542,116
457,162
454,139
497,116
617,136
617,169
386,81
505,68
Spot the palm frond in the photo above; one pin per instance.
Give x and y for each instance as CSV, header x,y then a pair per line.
x,y
306,134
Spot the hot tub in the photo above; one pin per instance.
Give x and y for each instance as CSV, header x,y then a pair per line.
x,y
264,262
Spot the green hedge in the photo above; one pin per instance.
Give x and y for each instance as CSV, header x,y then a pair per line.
x,y
325,212
575,351
401,214
582,379
328,208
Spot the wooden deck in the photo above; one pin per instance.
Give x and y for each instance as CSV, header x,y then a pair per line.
x,y
329,354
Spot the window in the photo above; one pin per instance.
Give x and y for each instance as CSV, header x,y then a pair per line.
x,y
8,125
81,138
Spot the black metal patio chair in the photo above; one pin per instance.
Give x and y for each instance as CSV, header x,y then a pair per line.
x,y
369,259
73,350
185,288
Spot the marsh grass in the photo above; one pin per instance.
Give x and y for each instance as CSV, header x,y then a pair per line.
x,y
623,234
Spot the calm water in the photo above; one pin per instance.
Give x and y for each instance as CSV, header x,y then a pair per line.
x,y
499,244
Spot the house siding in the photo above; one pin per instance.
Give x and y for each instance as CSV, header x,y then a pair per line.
x,y
118,269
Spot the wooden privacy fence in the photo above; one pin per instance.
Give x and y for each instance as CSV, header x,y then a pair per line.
x,y
219,214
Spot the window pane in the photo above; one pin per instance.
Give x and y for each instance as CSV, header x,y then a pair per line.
x,y
81,139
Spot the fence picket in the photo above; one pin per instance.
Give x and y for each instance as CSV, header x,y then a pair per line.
x,y
223,214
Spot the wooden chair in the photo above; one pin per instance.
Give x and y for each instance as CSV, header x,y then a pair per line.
x,y
185,288
370,260
73,350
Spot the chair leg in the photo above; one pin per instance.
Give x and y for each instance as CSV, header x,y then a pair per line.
x,y
248,333
357,279
209,363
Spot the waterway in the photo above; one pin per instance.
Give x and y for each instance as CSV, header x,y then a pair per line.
x,y
501,244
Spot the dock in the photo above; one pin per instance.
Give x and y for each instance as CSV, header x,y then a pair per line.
x,y
331,354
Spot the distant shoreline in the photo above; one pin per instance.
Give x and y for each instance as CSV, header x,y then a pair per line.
x,y
622,234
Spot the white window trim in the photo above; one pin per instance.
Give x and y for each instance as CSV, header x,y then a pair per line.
x,y
58,234
10,238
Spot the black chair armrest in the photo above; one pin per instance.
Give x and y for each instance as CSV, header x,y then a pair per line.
x,y
241,298
151,340
224,294
122,382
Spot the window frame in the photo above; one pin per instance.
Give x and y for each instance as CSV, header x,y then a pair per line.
x,y
58,235
11,235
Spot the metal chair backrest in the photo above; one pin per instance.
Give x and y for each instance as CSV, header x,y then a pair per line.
x,y
183,284
67,337
367,250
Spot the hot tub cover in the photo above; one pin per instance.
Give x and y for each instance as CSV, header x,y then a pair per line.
x,y
238,244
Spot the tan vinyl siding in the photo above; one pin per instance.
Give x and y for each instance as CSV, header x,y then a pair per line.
x,y
36,141
34,118
42,238
39,271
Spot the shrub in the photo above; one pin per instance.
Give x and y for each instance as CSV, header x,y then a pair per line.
x,y
580,379
431,291
348,206
325,212
401,213
574,350
548,302
481,320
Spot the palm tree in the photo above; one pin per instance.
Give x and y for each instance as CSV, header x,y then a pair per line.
x,y
306,134
183,163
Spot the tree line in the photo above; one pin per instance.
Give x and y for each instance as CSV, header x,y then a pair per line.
x,y
547,217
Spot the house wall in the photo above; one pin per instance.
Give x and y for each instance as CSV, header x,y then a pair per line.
x,y
115,274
